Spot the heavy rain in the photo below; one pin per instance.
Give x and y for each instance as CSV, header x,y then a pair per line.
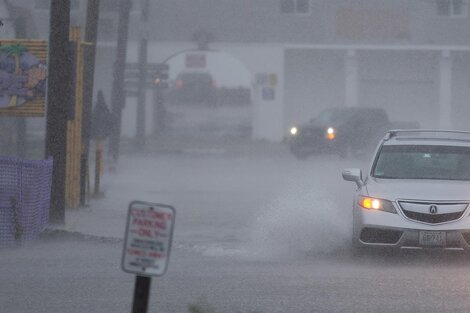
x,y
219,156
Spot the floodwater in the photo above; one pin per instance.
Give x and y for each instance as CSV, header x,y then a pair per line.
x,y
256,231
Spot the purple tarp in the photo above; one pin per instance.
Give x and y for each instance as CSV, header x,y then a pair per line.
x,y
25,189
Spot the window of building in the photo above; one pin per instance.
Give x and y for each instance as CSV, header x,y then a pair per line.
x,y
295,6
365,24
287,6
452,8
303,6
112,6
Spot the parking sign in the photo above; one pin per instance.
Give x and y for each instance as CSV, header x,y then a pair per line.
x,y
148,238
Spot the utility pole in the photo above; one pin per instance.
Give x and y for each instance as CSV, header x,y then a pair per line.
x,y
118,95
58,103
91,35
142,85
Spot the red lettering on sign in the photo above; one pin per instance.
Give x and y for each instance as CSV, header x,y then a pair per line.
x,y
145,233
160,215
136,252
156,255
149,223
160,225
138,213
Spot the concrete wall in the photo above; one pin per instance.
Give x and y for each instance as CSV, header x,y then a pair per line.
x,y
314,82
461,90
408,84
404,83
330,21
268,114
257,21
242,63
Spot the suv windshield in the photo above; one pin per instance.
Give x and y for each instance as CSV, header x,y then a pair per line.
x,y
336,116
423,162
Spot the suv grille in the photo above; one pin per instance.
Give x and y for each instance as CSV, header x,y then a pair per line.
x,y
312,133
433,218
432,212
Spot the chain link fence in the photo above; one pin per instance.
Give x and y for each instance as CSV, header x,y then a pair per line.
x,y
25,188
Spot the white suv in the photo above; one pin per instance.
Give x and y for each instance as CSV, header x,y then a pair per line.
x,y
417,192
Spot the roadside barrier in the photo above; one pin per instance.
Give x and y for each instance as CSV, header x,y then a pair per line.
x,y
25,189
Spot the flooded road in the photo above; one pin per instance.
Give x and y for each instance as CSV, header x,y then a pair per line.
x,y
256,231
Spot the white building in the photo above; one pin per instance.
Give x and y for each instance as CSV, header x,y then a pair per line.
x,y
408,56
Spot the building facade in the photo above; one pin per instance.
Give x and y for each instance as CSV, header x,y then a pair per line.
x,y
409,56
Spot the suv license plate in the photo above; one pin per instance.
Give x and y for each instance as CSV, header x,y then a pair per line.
x,y
432,238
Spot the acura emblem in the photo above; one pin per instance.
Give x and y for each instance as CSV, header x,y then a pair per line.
x,y
433,209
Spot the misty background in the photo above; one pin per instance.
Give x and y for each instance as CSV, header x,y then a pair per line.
x,y
409,57
253,222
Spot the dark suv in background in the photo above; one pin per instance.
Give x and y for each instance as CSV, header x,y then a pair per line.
x,y
197,88
345,131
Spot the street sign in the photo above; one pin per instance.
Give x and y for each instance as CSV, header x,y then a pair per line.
x,y
194,60
268,93
157,74
151,67
148,237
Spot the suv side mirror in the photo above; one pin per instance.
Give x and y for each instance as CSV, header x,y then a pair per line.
x,y
353,174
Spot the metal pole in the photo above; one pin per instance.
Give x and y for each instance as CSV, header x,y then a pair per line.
x,y
58,101
141,294
91,35
118,96
98,168
142,85
159,112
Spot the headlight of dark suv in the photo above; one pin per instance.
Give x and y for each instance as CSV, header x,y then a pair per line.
x,y
376,204
330,133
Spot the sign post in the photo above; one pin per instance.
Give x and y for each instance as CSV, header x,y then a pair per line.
x,y
147,246
141,294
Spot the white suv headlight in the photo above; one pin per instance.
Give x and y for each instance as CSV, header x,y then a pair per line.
x,y
376,204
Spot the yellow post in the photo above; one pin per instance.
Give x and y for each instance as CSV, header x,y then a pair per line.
x,y
98,166
74,129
